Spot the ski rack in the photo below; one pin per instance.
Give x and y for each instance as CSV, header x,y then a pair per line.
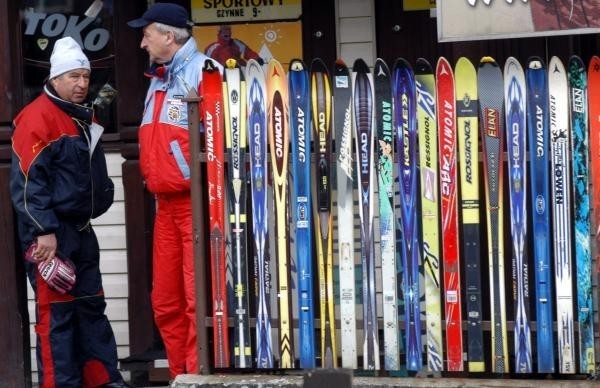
x,y
204,321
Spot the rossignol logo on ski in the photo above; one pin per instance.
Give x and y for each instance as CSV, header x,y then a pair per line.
x,y
235,134
468,152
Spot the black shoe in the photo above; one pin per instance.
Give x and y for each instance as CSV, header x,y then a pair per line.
x,y
117,384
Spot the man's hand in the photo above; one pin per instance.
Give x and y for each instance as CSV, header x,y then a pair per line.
x,y
58,273
46,247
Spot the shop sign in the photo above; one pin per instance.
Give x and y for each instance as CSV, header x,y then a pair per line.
x,y
45,27
496,19
418,5
228,11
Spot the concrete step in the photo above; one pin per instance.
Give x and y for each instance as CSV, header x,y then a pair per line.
x,y
341,379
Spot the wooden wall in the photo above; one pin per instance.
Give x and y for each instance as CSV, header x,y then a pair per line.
x,y
14,341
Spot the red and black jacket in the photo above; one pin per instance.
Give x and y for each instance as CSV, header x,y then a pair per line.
x,y
58,169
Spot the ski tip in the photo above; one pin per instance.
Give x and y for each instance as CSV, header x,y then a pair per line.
x,y
512,66
231,63
535,63
556,65
443,67
340,68
422,66
209,65
464,64
575,60
275,69
360,66
318,66
594,64
489,60
402,63
381,68
297,65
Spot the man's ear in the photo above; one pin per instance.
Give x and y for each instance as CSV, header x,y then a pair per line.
x,y
170,37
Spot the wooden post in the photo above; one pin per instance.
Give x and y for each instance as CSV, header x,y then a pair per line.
x,y
198,230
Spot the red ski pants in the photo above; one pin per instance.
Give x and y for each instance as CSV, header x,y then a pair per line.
x,y
173,294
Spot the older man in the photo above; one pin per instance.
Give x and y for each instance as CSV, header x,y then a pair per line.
x,y
176,67
59,182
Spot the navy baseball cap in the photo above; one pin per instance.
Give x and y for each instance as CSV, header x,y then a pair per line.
x,y
165,13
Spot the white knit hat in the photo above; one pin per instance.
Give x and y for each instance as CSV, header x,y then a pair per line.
x,y
67,56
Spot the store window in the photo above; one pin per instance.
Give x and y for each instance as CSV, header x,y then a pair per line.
x,y
90,23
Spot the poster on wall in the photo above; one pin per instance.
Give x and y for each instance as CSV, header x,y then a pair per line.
x,y
282,41
219,11
223,30
496,19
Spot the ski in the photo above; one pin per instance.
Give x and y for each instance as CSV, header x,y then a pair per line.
x,y
211,90
561,200
467,117
342,119
234,92
321,121
301,200
257,135
364,121
515,111
537,125
430,223
446,119
406,138
594,141
385,174
581,208
491,91
279,136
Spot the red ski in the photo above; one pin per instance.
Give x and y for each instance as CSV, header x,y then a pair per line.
x,y
594,146
211,90
446,118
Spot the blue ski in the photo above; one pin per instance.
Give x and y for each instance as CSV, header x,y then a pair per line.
x,y
301,202
539,143
405,122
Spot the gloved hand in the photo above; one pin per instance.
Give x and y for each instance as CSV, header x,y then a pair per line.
x,y
58,273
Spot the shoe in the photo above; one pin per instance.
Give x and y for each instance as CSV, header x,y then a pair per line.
x,y
117,384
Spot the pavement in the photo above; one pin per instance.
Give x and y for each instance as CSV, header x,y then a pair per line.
x,y
341,378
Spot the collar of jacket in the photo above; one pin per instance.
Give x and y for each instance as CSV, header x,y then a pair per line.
x,y
167,71
77,111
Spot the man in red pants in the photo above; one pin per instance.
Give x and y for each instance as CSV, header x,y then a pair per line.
x,y
176,67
